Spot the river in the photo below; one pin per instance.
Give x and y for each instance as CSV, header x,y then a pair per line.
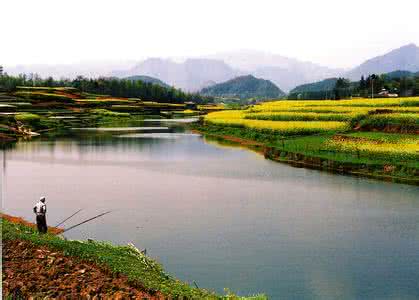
x,y
224,216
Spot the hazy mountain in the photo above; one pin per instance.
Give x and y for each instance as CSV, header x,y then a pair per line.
x,y
324,85
405,58
195,73
190,75
244,87
147,79
401,74
285,72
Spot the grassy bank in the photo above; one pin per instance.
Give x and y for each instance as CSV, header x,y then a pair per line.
x,y
375,138
126,260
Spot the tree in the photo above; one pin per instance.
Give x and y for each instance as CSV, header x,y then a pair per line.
x,y
342,88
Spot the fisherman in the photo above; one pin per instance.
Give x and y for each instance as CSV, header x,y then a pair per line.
x,y
40,209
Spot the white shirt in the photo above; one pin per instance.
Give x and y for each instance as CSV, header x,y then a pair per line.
x,y
40,208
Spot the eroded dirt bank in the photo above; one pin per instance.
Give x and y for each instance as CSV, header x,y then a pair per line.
x,y
36,271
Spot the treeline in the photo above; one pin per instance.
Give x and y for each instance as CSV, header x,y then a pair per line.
x,y
402,83
108,86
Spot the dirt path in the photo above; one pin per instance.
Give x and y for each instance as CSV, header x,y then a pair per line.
x,y
36,271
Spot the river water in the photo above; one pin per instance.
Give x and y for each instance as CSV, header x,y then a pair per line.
x,y
224,216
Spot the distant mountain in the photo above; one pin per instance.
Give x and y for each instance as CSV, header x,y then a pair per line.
x,y
283,71
244,87
147,79
324,85
401,74
404,58
191,75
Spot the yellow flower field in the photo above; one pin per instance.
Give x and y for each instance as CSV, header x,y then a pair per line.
x,y
403,148
309,116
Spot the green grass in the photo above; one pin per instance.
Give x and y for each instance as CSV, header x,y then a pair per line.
x,y
107,101
317,146
119,259
108,113
28,118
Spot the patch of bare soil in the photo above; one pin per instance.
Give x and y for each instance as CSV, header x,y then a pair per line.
x,y
32,272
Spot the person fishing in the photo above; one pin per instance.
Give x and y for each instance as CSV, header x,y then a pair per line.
x,y
40,209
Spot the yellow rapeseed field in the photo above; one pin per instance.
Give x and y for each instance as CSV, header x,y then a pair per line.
x,y
403,149
236,118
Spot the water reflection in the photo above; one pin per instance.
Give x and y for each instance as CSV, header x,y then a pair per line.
x,y
226,217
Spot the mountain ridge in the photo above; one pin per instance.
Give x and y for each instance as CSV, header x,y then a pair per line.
x,y
405,58
246,87
147,79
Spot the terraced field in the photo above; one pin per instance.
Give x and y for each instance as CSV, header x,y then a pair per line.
x,y
47,108
369,132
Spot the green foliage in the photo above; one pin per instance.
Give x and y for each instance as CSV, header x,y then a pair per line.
x,y
28,118
245,87
403,83
108,113
106,86
147,79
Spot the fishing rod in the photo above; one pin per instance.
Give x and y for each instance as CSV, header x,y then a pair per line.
x,y
68,217
85,221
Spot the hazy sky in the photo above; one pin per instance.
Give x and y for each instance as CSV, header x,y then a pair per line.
x,y
330,32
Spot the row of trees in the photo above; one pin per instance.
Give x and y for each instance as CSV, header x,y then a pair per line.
x,y
373,84
107,86
403,85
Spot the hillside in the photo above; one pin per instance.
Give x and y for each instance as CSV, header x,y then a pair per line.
x,y
245,87
404,58
324,85
148,79
190,75
401,74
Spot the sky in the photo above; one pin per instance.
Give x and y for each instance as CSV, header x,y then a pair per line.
x,y
328,32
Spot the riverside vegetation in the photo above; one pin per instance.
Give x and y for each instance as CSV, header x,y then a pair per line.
x,y
372,137
141,271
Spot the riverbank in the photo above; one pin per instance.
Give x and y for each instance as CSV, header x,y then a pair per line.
x,y
309,152
50,266
29,111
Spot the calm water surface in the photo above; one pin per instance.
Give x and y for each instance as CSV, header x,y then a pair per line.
x,y
224,216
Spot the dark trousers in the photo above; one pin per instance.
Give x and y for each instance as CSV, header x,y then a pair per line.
x,y
41,222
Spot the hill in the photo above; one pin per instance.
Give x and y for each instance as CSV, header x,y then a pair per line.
x,y
401,74
404,58
245,88
148,79
190,75
324,85
283,71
